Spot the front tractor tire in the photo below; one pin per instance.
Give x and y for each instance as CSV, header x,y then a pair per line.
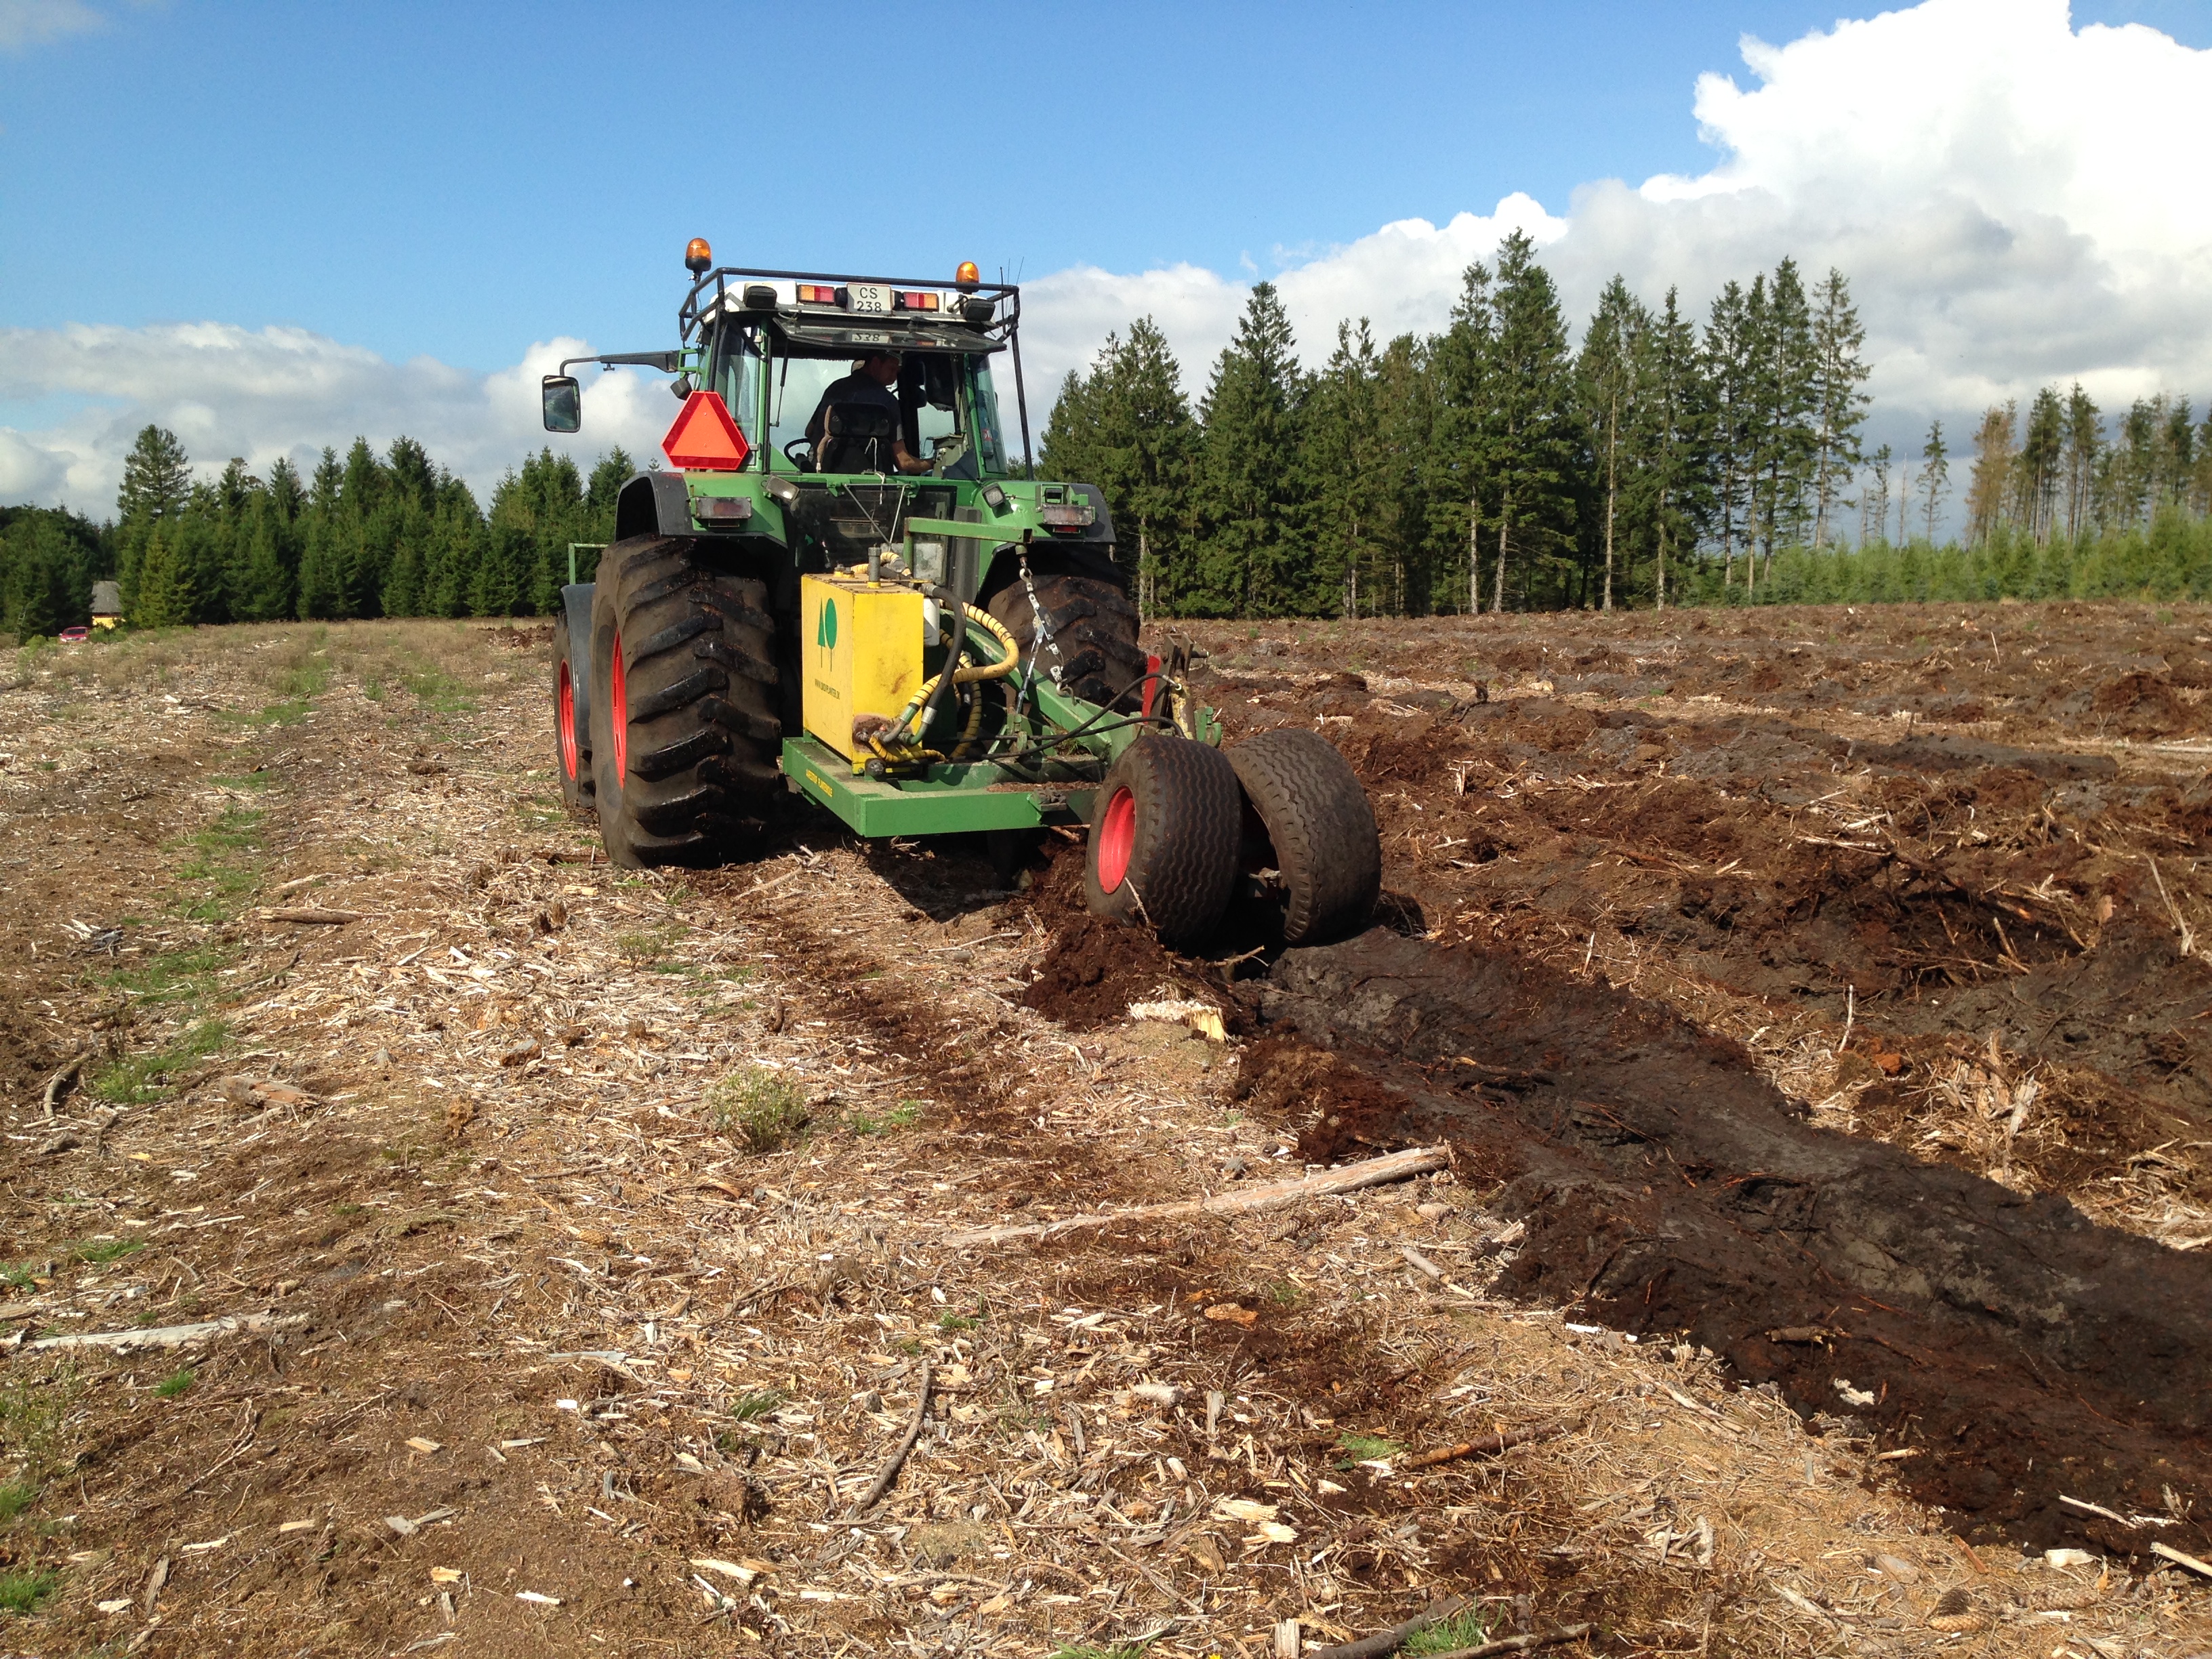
x,y
1089,644
1164,833
1312,825
684,729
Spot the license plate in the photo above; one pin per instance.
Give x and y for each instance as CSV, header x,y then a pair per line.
x,y
867,296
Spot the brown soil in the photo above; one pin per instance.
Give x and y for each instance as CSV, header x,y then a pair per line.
x,y
514,1212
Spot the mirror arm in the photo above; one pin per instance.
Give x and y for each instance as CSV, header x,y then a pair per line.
x,y
666,362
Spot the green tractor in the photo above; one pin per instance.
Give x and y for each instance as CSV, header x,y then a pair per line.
x,y
845,585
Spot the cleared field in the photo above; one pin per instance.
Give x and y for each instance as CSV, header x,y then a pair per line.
x,y
586,1237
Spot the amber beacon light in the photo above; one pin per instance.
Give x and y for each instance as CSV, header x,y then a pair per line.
x,y
967,279
698,257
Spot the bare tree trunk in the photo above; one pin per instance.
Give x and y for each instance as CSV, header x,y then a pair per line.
x,y
1505,529
1473,554
1612,494
1661,583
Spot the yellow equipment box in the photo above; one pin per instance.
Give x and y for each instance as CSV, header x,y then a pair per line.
x,y
860,650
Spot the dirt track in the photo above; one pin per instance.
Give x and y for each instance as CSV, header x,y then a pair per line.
x,y
1623,927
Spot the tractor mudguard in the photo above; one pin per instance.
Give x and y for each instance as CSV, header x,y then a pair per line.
x,y
654,504
576,606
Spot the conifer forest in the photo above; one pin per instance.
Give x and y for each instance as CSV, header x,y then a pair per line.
x,y
1669,458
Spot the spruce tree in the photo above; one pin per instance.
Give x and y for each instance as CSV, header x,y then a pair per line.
x,y
169,596
1728,370
1529,424
1990,490
2085,443
1348,483
1249,490
1675,439
264,590
1934,474
1838,405
1608,382
157,478
1462,474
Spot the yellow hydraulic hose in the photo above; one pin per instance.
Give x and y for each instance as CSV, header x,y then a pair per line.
x,y
966,673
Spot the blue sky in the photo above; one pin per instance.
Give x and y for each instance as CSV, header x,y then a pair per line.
x,y
461,180
272,226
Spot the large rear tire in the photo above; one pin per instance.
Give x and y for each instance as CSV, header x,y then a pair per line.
x,y
1313,825
684,728
572,732
1092,651
1163,839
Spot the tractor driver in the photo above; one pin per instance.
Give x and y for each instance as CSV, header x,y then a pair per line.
x,y
870,384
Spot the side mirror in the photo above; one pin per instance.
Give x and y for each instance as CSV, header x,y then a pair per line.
x,y
563,401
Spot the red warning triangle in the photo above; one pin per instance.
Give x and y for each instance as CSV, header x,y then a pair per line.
x,y
704,438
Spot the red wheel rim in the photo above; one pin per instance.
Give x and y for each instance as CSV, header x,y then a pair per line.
x,y
619,714
565,708
1117,839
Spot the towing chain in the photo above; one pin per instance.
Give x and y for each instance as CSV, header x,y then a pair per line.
x,y
1044,635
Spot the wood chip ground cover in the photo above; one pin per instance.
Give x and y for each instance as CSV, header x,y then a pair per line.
x,y
472,1173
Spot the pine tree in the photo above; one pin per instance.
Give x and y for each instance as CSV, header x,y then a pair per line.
x,y
1611,391
1838,404
1249,478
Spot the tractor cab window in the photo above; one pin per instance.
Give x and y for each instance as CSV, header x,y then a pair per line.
x,y
944,397
735,371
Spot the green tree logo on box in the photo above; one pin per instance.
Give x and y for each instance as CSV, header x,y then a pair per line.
x,y
825,631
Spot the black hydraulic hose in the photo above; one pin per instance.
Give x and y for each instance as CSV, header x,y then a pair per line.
x,y
948,602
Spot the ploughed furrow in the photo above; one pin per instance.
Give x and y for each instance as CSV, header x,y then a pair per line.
x,y
2005,1347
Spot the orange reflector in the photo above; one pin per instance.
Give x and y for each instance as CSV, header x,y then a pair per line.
x,y
698,257
704,439
967,279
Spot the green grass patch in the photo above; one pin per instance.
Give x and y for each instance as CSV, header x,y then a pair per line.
x,y
224,862
296,687
24,1588
760,1107
1463,1630
1362,1448
953,1321
901,1116
178,1381
15,1278
187,975
438,691
98,1252
17,1496
140,1079
755,1404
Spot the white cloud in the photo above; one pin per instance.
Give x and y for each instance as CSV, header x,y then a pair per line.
x,y
34,22
226,391
2015,201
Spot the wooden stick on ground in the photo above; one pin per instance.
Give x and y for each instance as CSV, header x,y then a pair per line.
x,y
1350,1177
170,1336
314,915
891,1470
60,1080
1518,1643
1490,1444
1389,1641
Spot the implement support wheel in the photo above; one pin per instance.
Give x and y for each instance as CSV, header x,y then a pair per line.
x,y
1163,839
1314,828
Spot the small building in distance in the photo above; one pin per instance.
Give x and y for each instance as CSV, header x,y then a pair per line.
x,y
106,604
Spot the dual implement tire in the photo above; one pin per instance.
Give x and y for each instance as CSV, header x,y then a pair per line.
x,y
1176,823
571,699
